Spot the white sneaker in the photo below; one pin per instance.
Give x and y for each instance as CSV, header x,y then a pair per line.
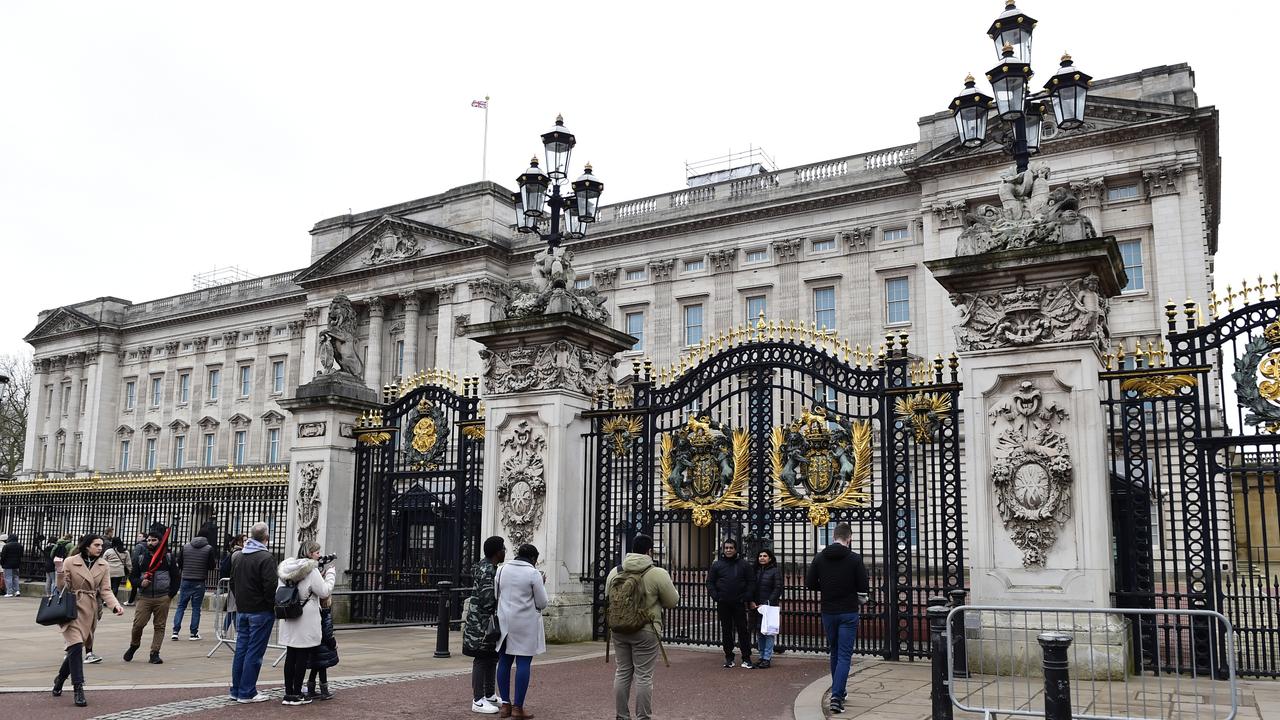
x,y
255,699
174,636
484,706
494,699
91,658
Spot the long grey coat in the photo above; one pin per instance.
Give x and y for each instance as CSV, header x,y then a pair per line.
x,y
521,598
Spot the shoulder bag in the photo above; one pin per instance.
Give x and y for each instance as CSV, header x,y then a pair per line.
x,y
59,607
493,632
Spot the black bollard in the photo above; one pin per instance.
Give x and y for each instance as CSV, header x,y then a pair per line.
x,y
960,662
1057,676
941,692
445,590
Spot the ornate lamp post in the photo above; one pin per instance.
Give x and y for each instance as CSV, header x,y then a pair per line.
x,y
1022,111
541,197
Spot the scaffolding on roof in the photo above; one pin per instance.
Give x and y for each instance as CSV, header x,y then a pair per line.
x,y
220,276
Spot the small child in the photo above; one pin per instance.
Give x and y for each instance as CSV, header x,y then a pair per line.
x,y
325,655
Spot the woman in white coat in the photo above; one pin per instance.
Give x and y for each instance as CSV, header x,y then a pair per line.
x,y
301,635
521,599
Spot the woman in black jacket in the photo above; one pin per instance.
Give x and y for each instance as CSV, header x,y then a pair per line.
x,y
766,589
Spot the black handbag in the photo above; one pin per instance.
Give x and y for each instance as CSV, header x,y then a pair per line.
x,y
493,631
58,608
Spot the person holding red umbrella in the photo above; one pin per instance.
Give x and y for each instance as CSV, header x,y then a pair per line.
x,y
156,576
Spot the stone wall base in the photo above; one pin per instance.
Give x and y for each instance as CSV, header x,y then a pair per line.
x,y
567,618
1004,643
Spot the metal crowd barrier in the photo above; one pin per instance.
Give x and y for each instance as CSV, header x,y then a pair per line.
x,y
1064,663
443,624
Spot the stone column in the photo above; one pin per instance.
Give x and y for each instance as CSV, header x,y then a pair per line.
x,y
373,364
789,295
75,361
310,364
1089,192
411,321
35,415
541,373
1172,278
449,329
1033,325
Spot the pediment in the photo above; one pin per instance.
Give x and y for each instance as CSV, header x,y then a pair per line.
x,y
150,429
271,417
389,241
124,431
179,426
239,420
207,422
60,321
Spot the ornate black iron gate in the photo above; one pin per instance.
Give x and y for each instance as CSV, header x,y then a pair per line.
x,y
773,436
416,515
1195,454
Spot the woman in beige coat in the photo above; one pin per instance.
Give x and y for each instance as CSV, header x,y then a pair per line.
x,y
84,573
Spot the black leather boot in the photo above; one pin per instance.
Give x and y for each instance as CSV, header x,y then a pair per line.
x,y
324,692
57,684
155,659
80,701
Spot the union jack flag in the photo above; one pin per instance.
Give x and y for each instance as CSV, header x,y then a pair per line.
x,y
480,103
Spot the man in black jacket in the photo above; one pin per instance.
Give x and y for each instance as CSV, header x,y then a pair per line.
x,y
253,582
196,559
11,561
729,582
840,577
156,587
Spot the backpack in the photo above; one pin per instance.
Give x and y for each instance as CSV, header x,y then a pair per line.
x,y
289,602
627,613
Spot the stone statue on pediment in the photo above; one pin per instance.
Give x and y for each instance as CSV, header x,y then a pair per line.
x,y
1031,213
337,349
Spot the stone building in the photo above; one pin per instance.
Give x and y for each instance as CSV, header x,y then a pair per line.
x,y
195,379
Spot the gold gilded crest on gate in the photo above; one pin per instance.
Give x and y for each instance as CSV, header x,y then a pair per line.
x,y
821,463
705,466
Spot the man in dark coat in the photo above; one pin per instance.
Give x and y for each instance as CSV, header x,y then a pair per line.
x,y
253,582
156,587
196,559
11,561
840,577
729,582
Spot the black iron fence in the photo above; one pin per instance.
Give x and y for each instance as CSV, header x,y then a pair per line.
x,y
40,510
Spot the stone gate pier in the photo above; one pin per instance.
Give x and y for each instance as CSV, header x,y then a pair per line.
x,y
1032,285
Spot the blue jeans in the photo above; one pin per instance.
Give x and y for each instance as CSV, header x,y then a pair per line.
x,y
523,663
11,581
191,591
841,630
765,643
253,632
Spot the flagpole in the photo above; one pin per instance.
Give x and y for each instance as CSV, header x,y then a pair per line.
x,y
484,156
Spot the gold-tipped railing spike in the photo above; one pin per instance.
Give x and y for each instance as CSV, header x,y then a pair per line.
x,y
1229,300
1108,360
1213,305
937,368
1120,355
902,342
1244,292
1190,310
1171,315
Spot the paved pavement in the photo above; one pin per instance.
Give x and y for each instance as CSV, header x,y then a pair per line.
x,y
391,673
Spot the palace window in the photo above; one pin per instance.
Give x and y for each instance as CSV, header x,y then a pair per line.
x,y
48,400
695,265
1122,192
273,445
240,441
399,357
636,274
897,295
824,245
824,308
151,454
692,324
130,395
246,380
215,377
1131,253
582,283
757,255
157,391
179,451
897,235
66,398
84,395
209,444
59,454
277,376
184,388
757,307
635,328
124,455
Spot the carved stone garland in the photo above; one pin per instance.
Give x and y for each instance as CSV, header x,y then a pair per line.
x,y
522,486
309,501
1031,472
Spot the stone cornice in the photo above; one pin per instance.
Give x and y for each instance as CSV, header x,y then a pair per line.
x,y
324,268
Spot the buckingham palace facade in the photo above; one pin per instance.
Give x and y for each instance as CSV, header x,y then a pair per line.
x,y
195,380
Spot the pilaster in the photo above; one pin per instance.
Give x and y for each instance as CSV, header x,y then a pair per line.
x,y
373,364
412,321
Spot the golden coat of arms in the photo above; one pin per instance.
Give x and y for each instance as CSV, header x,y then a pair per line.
x,y
821,463
427,438
705,466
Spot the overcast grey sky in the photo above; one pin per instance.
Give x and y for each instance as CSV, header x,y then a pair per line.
x,y
144,142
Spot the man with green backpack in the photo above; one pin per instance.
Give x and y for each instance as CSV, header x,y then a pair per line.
x,y
636,592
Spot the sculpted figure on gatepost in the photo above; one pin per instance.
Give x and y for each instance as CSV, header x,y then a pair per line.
x,y
1030,214
337,350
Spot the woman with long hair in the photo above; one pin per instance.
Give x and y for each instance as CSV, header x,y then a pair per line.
x,y
303,634
521,599
766,589
84,573
117,562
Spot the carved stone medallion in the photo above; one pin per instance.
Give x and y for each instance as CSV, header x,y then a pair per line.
x,y
1031,472
522,486
312,429
308,499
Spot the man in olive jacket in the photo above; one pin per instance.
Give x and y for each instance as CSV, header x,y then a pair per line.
x,y
638,651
